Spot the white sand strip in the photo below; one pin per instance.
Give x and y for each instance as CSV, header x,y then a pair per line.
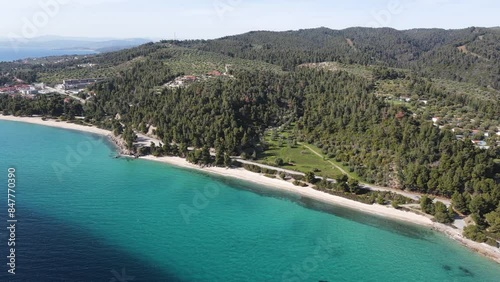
x,y
242,174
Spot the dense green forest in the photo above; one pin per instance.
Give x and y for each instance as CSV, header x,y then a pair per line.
x,y
431,52
344,111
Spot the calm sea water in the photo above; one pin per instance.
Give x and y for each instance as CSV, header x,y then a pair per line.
x,y
86,216
11,54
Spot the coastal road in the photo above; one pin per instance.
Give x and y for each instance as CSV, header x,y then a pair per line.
x,y
62,92
411,195
238,159
267,166
146,140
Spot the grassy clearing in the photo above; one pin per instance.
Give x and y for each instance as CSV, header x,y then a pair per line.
x,y
346,169
295,156
354,69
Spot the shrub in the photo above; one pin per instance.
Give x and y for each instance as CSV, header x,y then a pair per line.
x,y
474,233
310,177
395,204
252,168
279,162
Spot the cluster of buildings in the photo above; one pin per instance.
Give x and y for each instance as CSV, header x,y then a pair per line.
x,y
23,89
478,137
182,81
68,86
481,144
188,79
87,65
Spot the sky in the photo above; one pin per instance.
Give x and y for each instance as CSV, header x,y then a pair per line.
x,y
206,19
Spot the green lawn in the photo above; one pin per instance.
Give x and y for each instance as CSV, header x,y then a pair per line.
x,y
350,174
298,157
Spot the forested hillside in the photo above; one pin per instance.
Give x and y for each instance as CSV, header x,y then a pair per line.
x,y
384,109
464,55
54,70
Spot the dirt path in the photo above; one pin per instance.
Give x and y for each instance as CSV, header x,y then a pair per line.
x,y
321,156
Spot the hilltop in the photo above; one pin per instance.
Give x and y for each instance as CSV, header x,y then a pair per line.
x,y
465,55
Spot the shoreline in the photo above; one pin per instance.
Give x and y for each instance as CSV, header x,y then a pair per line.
x,y
116,141
281,185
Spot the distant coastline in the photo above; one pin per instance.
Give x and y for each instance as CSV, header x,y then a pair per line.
x,y
12,54
280,185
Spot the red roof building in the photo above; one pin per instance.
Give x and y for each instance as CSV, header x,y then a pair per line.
x,y
214,73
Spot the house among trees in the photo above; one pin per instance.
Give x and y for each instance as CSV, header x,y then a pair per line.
x,y
214,73
481,144
189,78
405,99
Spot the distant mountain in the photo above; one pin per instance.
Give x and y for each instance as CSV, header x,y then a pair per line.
x,y
76,43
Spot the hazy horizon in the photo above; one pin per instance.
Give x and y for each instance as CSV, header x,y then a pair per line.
x,y
54,37
122,19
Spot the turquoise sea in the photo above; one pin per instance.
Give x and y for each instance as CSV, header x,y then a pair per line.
x,y
85,216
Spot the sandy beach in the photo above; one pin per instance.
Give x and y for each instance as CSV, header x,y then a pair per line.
x,y
70,126
58,124
278,184
242,174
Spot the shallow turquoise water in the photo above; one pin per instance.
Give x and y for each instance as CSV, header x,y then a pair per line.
x,y
86,216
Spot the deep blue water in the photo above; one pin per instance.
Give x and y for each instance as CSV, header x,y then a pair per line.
x,y
12,54
86,216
